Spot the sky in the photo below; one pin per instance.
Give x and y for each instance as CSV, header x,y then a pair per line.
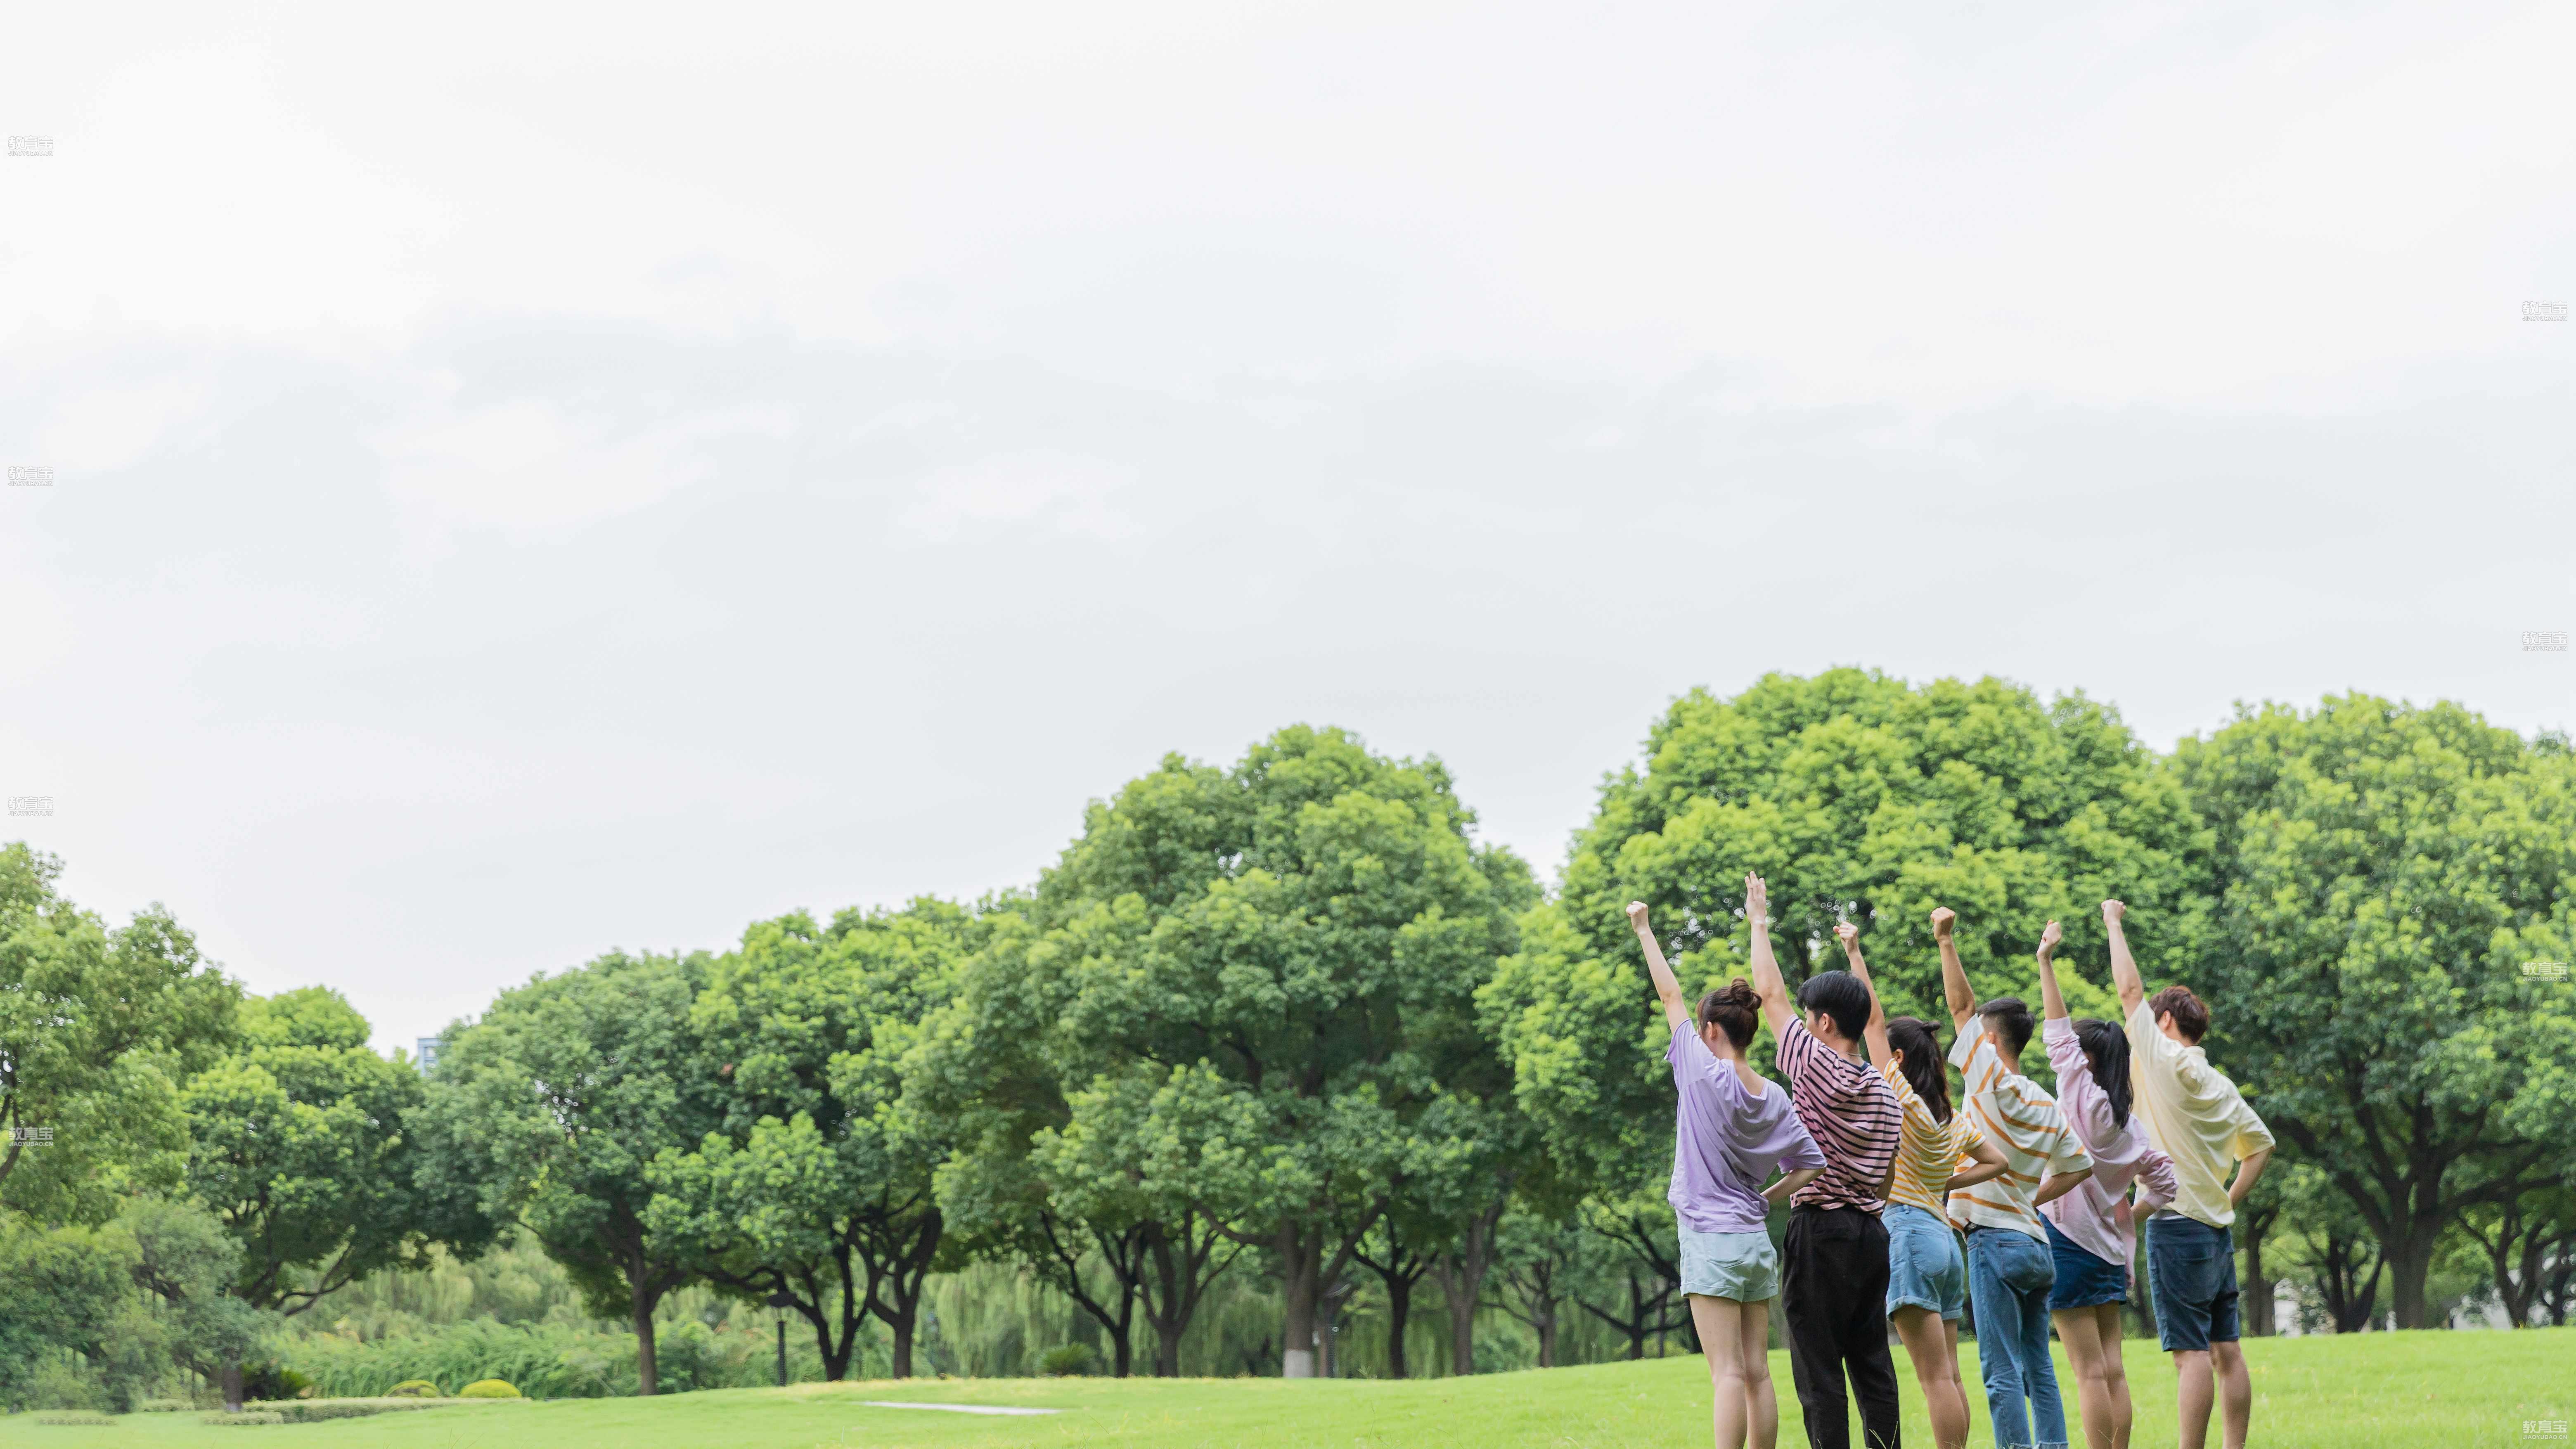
x,y
528,481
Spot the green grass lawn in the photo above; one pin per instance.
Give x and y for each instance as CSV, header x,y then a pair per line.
x,y
2368,1391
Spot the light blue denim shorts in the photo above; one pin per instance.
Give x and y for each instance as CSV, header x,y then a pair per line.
x,y
1924,1264
1741,1266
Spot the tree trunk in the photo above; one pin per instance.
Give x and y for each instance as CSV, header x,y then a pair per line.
x,y
1299,1268
1328,1310
899,1323
233,1385
1399,1309
2408,1268
2257,1298
1462,1272
1122,1347
648,1379
2349,1282
1180,1259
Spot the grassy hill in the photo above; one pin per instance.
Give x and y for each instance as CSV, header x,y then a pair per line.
x,y
2368,1391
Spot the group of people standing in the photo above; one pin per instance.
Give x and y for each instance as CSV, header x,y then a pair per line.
x,y
1909,1203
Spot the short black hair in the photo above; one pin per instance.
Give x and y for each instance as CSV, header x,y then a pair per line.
x,y
2008,1017
1840,995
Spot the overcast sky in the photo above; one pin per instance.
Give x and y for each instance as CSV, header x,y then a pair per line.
x,y
536,479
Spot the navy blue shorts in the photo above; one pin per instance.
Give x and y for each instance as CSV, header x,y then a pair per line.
x,y
2191,1275
2083,1280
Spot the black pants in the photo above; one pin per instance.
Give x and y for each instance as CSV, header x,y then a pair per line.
x,y
1833,1292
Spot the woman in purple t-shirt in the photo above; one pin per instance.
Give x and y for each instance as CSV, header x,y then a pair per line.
x,y
1731,1129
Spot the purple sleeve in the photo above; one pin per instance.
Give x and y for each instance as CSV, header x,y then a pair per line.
x,y
2087,1108
2155,1170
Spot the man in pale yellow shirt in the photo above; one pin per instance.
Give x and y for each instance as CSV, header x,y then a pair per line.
x,y
2199,1119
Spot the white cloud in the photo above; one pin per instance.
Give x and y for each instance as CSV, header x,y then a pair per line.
x,y
1061,492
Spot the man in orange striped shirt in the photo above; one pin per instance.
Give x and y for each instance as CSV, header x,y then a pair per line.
x,y
2010,1269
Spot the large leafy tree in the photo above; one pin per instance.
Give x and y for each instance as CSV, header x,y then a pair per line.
x,y
2384,874
551,1108
1266,994
297,1143
1860,798
819,1182
1130,1252
97,1028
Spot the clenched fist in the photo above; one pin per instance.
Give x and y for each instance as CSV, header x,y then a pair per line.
x,y
1942,916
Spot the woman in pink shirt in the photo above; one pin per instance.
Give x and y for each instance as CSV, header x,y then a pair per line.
x,y
2090,1230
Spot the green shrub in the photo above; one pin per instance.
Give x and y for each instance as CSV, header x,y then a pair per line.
x,y
76,1420
1070,1359
165,1406
413,1389
488,1389
547,1361
271,1381
314,1411
249,1418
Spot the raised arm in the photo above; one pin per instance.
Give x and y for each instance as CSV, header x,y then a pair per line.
x,y
1766,968
1668,988
1875,1033
2052,1003
1954,977
2124,967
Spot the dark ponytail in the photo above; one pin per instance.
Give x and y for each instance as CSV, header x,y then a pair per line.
x,y
1912,1035
2108,1046
1734,1008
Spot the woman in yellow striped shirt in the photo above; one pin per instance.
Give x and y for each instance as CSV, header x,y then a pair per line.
x,y
1927,1275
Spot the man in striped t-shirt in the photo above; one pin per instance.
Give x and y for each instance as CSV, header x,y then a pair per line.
x,y
2010,1269
1833,1288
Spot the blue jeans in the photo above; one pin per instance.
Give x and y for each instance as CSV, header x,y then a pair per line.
x,y
2009,1275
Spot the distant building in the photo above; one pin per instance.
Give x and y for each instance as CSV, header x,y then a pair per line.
x,y
427,1057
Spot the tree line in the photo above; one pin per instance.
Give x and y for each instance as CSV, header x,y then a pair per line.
x,y
1290,1017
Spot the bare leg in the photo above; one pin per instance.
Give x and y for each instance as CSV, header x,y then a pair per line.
x,y
1761,1407
1936,1370
2235,1391
1950,1357
2115,1373
2191,1365
2084,1352
1719,1327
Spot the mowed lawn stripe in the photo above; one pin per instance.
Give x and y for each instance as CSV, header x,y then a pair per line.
x,y
2364,1391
